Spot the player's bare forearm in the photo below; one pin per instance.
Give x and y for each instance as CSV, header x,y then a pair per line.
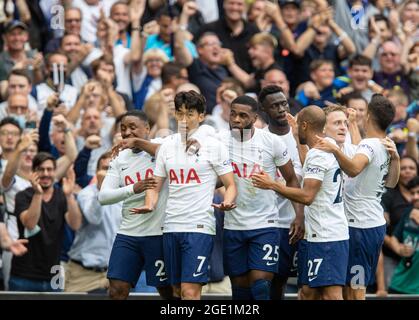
x,y
230,186
393,172
147,146
151,198
302,196
354,132
352,167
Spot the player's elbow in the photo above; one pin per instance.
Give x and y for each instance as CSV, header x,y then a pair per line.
x,y
353,172
307,200
103,198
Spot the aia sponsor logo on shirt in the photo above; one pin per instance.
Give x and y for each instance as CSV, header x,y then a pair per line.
x,y
183,176
244,170
129,180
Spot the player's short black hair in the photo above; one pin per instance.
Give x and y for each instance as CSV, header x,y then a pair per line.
x,y
382,111
12,121
271,89
247,101
192,100
135,113
40,158
413,183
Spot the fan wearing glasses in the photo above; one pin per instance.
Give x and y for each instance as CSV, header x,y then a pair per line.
x,y
390,74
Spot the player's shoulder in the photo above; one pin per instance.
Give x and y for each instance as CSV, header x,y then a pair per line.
x,y
120,158
371,145
320,156
268,138
170,140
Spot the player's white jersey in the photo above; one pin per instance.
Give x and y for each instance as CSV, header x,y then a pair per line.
x,y
325,217
285,207
256,208
363,193
191,180
123,172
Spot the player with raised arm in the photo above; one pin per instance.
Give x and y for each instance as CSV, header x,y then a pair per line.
x,y
139,244
291,223
189,225
326,225
374,165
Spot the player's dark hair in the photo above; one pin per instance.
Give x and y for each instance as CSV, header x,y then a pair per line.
x,y
381,110
413,183
247,101
135,113
191,100
271,89
12,121
40,158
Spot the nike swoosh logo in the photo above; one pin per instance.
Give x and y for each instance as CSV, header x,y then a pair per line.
x,y
123,169
270,263
197,274
311,279
162,279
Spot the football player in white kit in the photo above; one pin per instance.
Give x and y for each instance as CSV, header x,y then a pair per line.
x,y
275,104
324,273
251,231
374,165
189,225
138,245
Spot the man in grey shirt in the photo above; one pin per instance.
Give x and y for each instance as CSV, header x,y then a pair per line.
x,y
89,254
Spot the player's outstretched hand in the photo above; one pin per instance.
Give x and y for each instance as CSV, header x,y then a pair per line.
x,y
224,206
262,180
325,145
296,230
141,210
